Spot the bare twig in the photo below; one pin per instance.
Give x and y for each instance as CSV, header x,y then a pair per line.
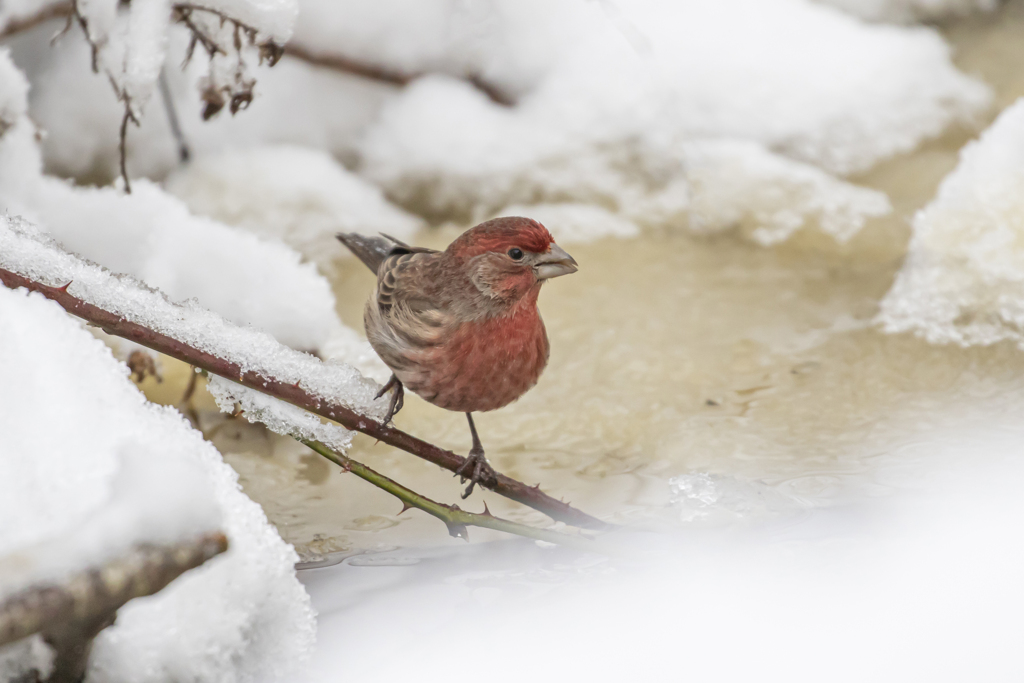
x,y
70,613
123,143
172,117
376,72
453,517
294,394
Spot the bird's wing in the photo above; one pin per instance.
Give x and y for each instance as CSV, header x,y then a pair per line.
x,y
407,278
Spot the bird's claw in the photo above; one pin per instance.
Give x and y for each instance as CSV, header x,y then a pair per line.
x,y
397,398
477,470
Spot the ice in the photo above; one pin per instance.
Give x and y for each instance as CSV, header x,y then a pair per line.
x,y
108,470
25,250
963,278
298,195
908,11
711,498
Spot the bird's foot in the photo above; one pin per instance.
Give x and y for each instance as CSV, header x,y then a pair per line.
x,y
397,398
477,470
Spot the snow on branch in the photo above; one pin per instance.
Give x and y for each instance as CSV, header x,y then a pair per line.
x,y
126,308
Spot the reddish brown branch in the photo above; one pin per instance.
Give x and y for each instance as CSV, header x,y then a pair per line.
x,y
375,72
57,11
117,326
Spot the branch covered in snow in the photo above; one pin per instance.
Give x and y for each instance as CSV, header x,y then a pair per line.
x,y
71,612
125,308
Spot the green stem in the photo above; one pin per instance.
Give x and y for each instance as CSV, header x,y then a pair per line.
x,y
454,518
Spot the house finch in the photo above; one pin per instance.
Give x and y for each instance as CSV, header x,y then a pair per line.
x,y
460,327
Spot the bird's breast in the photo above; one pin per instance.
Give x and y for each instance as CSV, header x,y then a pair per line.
x,y
482,365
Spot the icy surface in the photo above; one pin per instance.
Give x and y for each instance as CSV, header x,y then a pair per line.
x,y
298,195
907,11
27,251
963,279
88,467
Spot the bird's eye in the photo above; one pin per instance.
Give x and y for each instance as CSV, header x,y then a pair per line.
x,y
515,253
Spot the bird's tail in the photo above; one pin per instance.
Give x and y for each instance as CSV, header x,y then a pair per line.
x,y
371,250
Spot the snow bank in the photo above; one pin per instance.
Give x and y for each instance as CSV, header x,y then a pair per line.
x,y
293,103
300,196
963,279
609,101
151,235
909,11
25,250
108,469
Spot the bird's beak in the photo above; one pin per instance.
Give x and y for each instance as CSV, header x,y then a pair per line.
x,y
554,262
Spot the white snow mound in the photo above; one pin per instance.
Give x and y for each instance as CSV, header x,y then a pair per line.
x,y
297,195
963,279
88,467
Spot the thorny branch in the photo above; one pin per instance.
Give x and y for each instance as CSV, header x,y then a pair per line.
x,y
453,517
296,395
70,613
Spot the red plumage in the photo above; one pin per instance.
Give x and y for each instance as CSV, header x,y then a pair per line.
x,y
461,327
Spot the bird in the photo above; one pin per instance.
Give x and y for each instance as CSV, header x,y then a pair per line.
x,y
461,327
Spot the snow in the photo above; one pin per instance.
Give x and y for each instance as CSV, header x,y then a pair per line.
x,y
575,223
109,470
152,235
908,11
916,584
600,121
13,94
740,184
962,279
278,416
297,195
25,250
609,98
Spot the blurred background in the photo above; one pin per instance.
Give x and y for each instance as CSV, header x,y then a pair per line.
x,y
789,366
